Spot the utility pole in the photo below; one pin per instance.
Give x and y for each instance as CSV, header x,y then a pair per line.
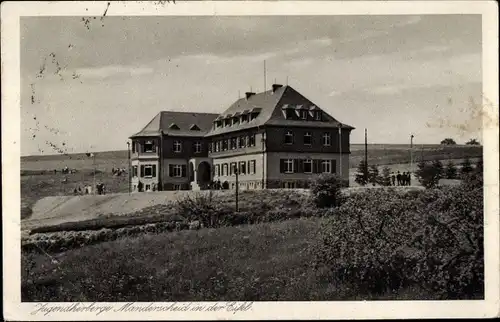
x,y
93,160
129,168
265,85
411,153
263,154
366,156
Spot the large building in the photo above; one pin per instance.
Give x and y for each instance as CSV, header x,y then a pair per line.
x,y
274,139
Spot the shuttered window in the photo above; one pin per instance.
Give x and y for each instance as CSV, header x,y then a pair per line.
x,y
183,170
142,171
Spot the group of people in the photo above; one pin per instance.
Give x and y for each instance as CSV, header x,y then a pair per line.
x,y
402,179
87,190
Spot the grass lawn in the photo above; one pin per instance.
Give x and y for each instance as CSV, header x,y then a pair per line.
x,y
264,262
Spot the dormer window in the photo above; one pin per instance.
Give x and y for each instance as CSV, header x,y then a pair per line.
x,y
244,118
227,122
174,126
318,116
194,127
218,124
236,121
303,114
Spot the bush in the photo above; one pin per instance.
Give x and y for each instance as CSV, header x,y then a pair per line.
x,y
326,191
384,241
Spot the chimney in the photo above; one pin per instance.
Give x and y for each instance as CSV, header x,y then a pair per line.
x,y
276,87
249,94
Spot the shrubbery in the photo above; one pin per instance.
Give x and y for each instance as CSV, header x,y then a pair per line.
x,y
326,190
383,241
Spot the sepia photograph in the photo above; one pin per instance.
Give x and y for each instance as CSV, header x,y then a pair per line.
x,y
169,160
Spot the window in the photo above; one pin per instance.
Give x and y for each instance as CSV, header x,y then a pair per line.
x,y
303,114
148,187
218,124
308,166
176,170
318,115
227,122
233,143
236,121
326,166
197,147
251,140
327,139
243,167
133,147
288,137
224,145
232,168
288,166
177,187
134,171
251,167
253,116
244,118
225,171
243,141
148,146
177,146
210,147
217,146
150,171
307,138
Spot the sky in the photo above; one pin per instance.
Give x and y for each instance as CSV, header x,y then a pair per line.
x,y
87,85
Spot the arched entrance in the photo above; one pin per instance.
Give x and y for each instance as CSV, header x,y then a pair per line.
x,y
204,176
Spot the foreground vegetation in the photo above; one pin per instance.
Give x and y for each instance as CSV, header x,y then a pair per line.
x,y
379,244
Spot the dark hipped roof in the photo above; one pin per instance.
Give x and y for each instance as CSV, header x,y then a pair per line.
x,y
183,120
270,113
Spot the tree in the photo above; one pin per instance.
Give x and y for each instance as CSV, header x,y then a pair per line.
x,y
429,174
361,176
451,170
466,167
438,170
448,141
385,180
373,175
472,142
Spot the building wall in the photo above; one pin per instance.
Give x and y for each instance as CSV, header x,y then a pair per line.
x,y
274,175
145,180
137,148
276,140
248,180
169,182
187,151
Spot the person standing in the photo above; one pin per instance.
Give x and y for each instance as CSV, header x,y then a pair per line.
x,y
398,178
393,179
